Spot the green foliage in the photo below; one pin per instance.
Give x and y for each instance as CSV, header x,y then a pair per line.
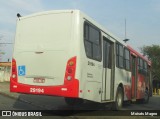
x,y
153,53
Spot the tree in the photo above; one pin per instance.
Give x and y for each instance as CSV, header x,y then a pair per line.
x,y
153,54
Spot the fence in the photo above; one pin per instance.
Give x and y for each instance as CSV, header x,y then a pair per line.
x,y
5,70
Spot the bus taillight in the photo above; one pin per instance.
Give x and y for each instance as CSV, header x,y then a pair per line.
x,y
70,69
14,70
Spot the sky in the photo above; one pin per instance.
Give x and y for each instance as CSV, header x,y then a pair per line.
x,y
142,18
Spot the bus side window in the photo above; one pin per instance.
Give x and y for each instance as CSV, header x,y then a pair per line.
x,y
138,64
127,59
142,66
145,68
119,55
92,42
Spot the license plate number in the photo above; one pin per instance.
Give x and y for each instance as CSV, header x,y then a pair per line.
x,y
39,80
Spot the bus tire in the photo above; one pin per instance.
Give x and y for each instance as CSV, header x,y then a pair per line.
x,y
117,105
73,101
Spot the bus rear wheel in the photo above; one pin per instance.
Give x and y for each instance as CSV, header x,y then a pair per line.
x,y
117,105
73,101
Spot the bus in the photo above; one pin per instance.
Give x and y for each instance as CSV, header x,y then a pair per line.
x,y
66,53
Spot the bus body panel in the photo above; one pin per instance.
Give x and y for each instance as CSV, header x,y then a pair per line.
x,y
140,86
65,90
142,77
43,46
92,76
90,83
123,77
41,66
41,49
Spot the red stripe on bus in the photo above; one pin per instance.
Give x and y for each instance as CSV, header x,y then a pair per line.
x,y
72,89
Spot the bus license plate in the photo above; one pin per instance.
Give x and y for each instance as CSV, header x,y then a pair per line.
x,y
39,80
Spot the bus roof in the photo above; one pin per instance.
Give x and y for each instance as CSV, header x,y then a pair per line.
x,y
83,15
45,13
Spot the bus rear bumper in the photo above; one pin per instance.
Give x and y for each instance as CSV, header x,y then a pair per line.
x,y
66,90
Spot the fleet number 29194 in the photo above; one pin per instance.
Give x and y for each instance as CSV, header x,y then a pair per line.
x,y
36,90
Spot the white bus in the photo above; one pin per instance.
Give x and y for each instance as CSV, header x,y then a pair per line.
x,y
66,53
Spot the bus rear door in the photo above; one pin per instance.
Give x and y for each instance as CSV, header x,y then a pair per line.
x,y
134,77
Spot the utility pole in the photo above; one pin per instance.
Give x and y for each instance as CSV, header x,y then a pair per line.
x,y
125,31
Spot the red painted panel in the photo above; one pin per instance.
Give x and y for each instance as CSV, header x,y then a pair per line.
x,y
140,86
133,86
127,91
69,90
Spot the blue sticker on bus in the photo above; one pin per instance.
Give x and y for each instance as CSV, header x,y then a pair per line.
x,y
21,70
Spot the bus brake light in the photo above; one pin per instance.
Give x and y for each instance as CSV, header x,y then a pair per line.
x,y
70,69
14,70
